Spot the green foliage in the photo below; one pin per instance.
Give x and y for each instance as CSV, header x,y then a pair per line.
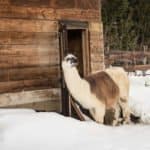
x,y
126,24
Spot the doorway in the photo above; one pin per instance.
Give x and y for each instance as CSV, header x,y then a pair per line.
x,y
74,40
75,47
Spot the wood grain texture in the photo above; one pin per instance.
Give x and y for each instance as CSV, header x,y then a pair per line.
x,y
29,38
47,106
24,97
33,61
21,12
57,4
78,14
29,50
16,74
36,13
28,55
4,2
21,25
96,46
95,27
39,3
26,85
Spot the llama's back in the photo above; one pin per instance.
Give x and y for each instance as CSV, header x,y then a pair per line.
x,y
102,85
120,77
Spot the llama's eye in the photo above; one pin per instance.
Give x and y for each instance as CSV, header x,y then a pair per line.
x,y
67,59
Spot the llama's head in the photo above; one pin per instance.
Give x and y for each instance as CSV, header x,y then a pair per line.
x,y
69,61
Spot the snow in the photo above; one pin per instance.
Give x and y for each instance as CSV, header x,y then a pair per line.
x,y
140,97
45,131
25,129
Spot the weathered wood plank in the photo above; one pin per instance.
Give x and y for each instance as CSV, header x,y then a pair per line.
x,y
88,4
29,50
29,38
97,66
4,2
34,73
96,47
95,27
21,12
96,57
80,4
4,75
24,97
21,25
28,55
9,61
10,11
39,3
82,15
35,84
16,74
40,106
84,4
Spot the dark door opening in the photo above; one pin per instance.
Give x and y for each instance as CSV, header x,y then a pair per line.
x,y
75,47
74,40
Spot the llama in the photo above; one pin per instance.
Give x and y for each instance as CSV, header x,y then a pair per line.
x,y
98,92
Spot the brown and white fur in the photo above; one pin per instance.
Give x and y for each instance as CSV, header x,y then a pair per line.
x,y
97,92
120,77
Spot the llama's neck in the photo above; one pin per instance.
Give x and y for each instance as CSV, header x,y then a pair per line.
x,y
78,87
72,79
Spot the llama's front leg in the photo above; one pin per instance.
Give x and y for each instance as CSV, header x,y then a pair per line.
x,y
98,114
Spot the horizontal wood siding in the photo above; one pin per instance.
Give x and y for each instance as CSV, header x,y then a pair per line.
x,y
29,56
21,25
38,13
26,98
29,47
84,4
29,38
40,106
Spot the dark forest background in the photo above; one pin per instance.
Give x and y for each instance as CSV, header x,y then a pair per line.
x,y
126,24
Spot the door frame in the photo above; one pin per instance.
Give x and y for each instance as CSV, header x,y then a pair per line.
x,y
65,25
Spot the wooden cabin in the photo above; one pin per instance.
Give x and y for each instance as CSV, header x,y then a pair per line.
x,y
34,37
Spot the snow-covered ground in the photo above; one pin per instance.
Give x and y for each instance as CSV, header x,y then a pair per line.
x,y
27,130
140,96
